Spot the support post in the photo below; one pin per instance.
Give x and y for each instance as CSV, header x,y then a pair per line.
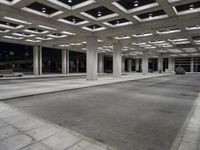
x,y
145,62
117,61
92,58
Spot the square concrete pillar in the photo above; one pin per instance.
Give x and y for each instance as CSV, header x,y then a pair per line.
x,y
145,62
170,64
160,64
92,58
137,65
123,64
129,65
192,65
101,63
36,60
64,61
40,60
117,61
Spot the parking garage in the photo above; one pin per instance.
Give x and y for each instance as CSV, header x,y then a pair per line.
x,y
99,74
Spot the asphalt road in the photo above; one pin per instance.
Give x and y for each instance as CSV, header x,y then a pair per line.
x,y
138,115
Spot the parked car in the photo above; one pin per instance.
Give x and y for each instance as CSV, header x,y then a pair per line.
x,y
10,73
180,70
151,71
139,70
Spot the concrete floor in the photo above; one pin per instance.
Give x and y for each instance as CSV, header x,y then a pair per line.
x,y
139,115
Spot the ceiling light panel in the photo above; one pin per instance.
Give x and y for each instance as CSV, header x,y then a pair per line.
x,y
9,25
22,34
168,31
159,14
13,37
131,6
42,10
94,28
73,20
72,4
4,30
142,34
175,50
187,8
35,31
57,35
9,2
17,20
99,13
197,27
118,22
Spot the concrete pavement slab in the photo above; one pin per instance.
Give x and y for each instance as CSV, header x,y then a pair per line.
x,y
17,142
61,141
7,132
36,146
43,132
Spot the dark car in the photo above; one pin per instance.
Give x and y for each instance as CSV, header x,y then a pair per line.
x,y
180,70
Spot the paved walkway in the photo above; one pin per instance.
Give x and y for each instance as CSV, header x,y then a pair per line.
x,y
190,140
33,88
21,131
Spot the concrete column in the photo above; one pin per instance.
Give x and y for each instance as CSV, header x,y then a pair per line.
x,y
170,64
137,64
67,61
173,64
145,63
192,65
123,64
35,60
101,63
92,58
129,65
40,60
160,63
117,61
64,61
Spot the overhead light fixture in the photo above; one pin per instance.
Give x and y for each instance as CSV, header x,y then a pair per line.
x,y
99,13
17,20
142,35
46,27
178,40
168,31
13,37
191,7
68,33
122,37
69,1
44,10
136,3
74,20
33,41
197,27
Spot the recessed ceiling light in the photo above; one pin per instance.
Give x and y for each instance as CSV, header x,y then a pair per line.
x,y
69,1
191,7
44,10
136,3
99,14
16,20
46,27
74,20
